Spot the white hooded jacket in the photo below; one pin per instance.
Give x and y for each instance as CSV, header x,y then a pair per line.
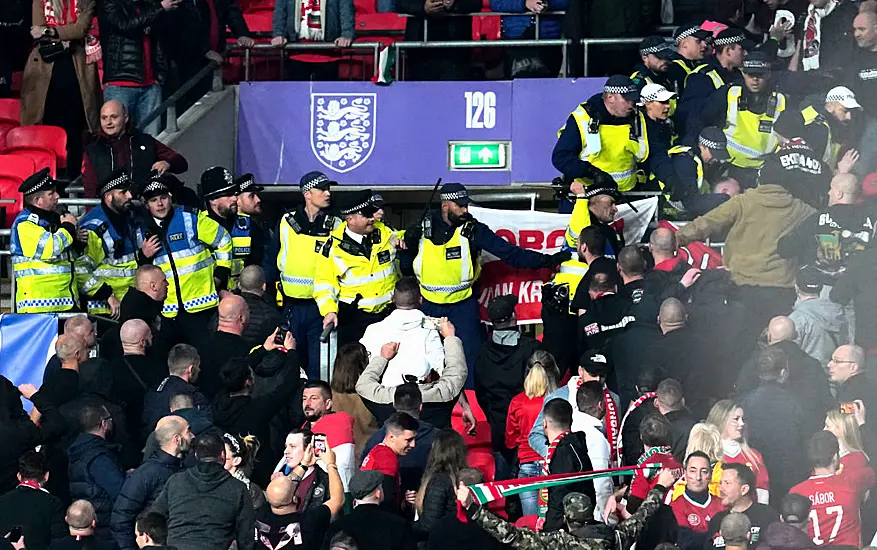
x,y
420,346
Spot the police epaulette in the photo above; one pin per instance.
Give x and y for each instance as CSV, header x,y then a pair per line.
x,y
293,223
467,231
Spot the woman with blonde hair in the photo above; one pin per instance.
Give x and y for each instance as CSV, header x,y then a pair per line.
x,y
707,439
240,456
540,381
727,416
60,85
853,460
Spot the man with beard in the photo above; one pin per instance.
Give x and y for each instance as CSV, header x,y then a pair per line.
x,y
119,144
219,193
737,491
43,246
188,238
825,127
115,247
249,234
695,507
656,54
336,426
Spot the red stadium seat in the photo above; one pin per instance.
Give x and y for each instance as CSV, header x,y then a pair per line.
x,y
52,138
259,20
40,156
10,109
6,125
14,169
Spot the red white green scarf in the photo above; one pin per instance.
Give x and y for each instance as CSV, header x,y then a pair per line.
x,y
543,491
642,399
610,420
652,469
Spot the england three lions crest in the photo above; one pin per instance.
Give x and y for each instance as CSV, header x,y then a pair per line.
x,y
343,129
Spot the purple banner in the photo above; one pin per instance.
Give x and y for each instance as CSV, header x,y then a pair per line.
x,y
363,134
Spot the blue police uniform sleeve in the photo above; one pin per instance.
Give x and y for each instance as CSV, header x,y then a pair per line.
x,y
269,262
486,239
565,156
712,112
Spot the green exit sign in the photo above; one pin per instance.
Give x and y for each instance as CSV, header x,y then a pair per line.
x,y
479,155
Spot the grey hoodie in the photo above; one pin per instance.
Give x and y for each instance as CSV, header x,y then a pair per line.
x,y
821,326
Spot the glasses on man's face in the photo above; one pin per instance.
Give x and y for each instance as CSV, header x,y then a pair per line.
x,y
840,361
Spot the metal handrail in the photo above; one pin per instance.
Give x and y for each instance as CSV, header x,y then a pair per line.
x,y
170,104
587,42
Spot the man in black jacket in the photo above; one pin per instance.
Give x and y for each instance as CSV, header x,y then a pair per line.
x,y
567,454
38,512
135,372
499,373
205,506
264,316
847,370
607,315
670,402
184,366
134,63
95,474
143,301
143,485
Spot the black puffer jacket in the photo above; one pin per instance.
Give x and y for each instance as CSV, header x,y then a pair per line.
x,y
439,502
123,26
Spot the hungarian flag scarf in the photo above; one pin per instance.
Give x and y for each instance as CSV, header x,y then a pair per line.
x,y
495,490
611,420
619,453
543,491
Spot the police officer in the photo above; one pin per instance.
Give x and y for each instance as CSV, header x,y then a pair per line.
x,y
447,263
295,247
656,55
356,269
657,105
219,193
691,47
681,174
114,246
44,246
748,114
723,69
608,133
250,235
821,125
195,255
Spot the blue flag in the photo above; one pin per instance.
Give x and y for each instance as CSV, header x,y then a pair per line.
x,y
27,342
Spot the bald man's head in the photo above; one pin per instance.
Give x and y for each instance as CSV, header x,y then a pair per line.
x,y
631,262
80,515
71,349
844,189
781,329
169,426
82,327
234,314
113,118
252,280
280,492
135,332
662,242
672,315
150,280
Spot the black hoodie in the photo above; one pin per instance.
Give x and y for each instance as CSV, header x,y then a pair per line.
x,y
570,456
606,316
206,508
499,376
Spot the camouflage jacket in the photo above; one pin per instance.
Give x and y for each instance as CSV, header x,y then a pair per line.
x,y
524,539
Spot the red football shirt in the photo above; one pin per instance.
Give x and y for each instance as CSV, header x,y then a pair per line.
x,y
644,480
692,515
384,460
856,468
834,510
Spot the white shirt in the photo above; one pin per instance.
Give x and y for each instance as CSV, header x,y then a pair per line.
x,y
420,347
599,453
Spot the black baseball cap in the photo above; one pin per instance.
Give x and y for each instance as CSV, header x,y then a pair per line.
x,y
657,46
757,63
685,31
808,280
315,180
620,84
456,193
733,36
502,308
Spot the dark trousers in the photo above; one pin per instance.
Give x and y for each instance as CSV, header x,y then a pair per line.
x,y
186,70
311,72
353,321
467,321
306,324
64,108
187,328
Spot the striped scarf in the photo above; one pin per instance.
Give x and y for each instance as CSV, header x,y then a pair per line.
x,y
495,490
619,455
543,491
610,419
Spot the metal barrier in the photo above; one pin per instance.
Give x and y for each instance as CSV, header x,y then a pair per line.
x,y
169,105
301,46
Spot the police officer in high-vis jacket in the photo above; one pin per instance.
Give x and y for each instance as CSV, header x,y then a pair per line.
x,y
44,247
356,269
604,138
747,114
249,236
194,252
447,263
219,193
294,249
114,243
